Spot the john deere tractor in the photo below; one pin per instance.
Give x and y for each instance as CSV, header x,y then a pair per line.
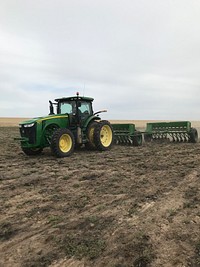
x,y
72,125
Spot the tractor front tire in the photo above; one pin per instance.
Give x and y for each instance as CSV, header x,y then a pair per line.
x,y
32,151
103,135
62,143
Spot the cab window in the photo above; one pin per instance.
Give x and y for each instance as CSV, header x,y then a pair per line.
x,y
67,107
85,108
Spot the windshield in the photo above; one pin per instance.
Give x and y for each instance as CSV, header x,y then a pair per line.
x,y
68,107
84,108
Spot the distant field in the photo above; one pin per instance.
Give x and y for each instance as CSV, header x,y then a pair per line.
x,y
11,122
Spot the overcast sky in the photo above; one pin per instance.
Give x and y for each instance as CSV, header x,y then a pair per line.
x,y
139,59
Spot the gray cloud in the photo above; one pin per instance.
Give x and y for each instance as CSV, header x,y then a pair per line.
x,y
138,59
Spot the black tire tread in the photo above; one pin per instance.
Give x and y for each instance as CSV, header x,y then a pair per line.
x,y
137,139
90,145
193,135
147,137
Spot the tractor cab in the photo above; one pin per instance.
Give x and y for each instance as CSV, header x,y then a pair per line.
x,y
78,108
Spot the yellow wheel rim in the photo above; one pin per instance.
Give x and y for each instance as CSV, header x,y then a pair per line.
x,y
65,143
106,135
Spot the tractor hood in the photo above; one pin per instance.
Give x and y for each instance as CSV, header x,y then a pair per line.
x,y
44,118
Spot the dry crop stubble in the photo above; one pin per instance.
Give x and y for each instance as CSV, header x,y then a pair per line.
x,y
131,206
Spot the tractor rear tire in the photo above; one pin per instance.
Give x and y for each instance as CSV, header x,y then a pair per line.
x,y
193,135
137,139
32,151
103,135
90,145
62,143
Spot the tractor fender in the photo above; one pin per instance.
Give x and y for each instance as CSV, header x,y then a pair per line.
x,y
89,120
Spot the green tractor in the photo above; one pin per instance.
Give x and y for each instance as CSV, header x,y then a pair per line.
x,y
73,125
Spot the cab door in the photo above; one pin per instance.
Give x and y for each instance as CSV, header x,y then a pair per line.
x,y
84,111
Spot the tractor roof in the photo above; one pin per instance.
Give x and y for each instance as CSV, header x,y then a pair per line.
x,y
72,98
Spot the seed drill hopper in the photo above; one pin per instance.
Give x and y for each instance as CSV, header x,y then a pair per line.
x,y
176,131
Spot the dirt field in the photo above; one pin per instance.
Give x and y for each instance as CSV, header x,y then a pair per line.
x,y
131,206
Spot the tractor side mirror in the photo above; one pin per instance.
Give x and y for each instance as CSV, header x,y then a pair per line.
x,y
51,108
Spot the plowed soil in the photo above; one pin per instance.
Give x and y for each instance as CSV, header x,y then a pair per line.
x,y
130,206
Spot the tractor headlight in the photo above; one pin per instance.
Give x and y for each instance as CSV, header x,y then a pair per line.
x,y
29,125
